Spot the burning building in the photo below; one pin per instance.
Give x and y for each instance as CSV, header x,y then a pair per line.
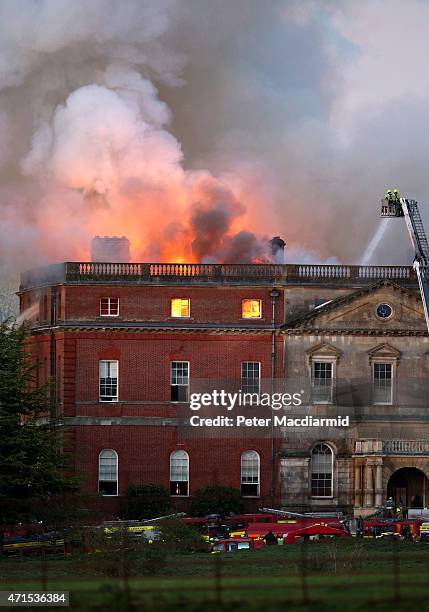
x,y
126,344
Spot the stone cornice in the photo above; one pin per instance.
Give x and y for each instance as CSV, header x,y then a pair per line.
x,y
138,328
231,329
315,331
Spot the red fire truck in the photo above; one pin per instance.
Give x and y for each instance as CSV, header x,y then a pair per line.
x,y
236,544
214,527
383,528
292,531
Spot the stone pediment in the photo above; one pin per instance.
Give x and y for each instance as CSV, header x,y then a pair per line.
x,y
323,350
384,352
360,311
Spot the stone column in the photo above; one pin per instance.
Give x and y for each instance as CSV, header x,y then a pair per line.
x,y
379,485
358,485
369,490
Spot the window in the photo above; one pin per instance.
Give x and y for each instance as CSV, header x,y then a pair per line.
x,y
321,471
382,388
250,376
179,472
180,307
108,472
322,383
180,381
109,307
251,309
250,474
384,311
108,381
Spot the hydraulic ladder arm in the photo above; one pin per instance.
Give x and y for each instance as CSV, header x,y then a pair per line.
x,y
402,207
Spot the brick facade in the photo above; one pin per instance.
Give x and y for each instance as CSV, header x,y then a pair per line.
x,y
70,338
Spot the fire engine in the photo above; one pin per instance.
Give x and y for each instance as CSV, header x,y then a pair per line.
x,y
236,544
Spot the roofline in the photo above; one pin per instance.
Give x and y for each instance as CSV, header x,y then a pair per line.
x,y
96,273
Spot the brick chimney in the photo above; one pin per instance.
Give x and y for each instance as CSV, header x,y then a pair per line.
x,y
113,249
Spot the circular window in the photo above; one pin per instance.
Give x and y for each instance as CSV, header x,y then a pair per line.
x,y
384,311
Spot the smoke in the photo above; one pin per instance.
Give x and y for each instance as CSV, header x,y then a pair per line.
x,y
322,104
94,153
201,128
213,221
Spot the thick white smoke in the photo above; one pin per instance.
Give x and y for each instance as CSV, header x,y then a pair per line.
x,y
95,153
103,135
148,117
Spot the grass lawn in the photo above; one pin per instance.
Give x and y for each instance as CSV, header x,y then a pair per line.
x,y
338,576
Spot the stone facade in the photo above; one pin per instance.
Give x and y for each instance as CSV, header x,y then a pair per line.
x,y
383,437
314,319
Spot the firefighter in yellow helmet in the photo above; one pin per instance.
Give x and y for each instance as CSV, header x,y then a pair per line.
x,y
389,507
400,510
389,195
396,195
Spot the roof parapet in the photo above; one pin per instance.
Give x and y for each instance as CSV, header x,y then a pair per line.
x,y
234,274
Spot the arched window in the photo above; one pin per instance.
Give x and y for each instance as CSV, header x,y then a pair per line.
x,y
179,473
321,471
250,474
108,472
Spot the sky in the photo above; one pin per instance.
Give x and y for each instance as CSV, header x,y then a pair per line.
x,y
200,128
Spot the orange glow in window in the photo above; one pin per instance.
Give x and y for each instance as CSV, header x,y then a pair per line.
x,y
180,307
251,309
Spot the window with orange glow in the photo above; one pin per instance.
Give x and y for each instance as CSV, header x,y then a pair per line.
x,y
251,309
180,307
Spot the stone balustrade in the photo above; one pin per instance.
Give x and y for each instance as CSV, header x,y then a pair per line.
x,y
406,447
391,447
190,273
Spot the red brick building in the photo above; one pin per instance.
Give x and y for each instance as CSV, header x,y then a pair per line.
x,y
122,342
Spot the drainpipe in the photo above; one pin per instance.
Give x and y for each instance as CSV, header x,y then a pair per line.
x,y
274,294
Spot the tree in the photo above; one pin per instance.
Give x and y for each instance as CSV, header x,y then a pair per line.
x,y
179,536
217,500
32,466
147,501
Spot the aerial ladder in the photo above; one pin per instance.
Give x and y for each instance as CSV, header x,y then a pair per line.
x,y
392,205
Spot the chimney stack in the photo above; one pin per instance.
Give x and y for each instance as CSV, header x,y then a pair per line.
x,y
277,249
110,249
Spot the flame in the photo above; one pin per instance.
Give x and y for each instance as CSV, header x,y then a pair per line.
x,y
115,169
167,223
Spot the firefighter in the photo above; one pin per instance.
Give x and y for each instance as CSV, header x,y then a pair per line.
x,y
400,510
406,533
389,507
389,196
395,195
270,538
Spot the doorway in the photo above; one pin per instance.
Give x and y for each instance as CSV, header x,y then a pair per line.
x,y
408,486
